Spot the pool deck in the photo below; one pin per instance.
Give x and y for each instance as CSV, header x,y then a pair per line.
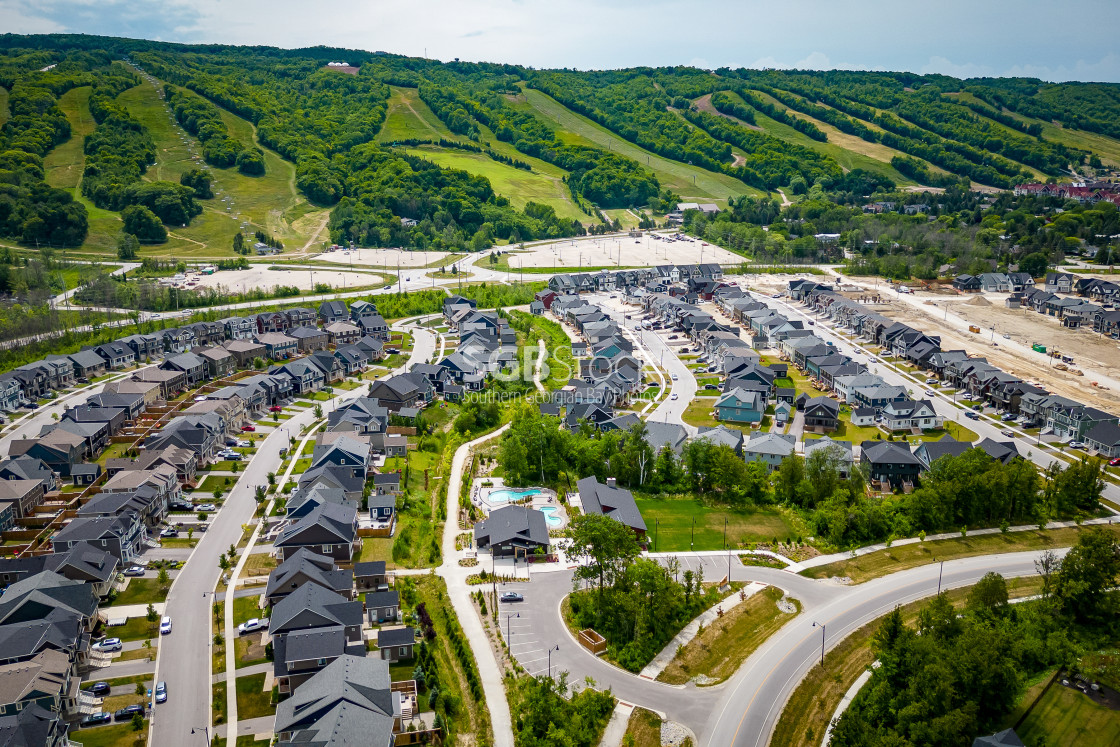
x,y
545,498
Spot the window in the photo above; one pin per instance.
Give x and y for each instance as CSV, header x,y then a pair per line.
x,y
322,662
402,651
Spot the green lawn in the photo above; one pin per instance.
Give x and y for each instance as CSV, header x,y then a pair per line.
x,y
409,118
136,629
669,524
518,185
1066,716
114,735
725,644
142,591
690,182
697,413
252,700
245,608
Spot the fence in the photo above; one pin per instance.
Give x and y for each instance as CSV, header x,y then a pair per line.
x,y
592,641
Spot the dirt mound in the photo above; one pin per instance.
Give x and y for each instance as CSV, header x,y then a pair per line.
x,y
978,301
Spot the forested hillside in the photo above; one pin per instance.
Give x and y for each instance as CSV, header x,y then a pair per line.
x,y
532,153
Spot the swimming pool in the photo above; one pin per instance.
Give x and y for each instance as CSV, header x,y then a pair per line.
x,y
552,516
505,495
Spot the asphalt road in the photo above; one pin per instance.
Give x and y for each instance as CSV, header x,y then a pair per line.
x,y
744,710
184,656
658,352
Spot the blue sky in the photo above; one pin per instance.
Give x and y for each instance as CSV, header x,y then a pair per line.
x,y
965,38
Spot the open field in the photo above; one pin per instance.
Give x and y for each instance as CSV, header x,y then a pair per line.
x,y
901,557
690,182
669,524
409,118
518,185
725,644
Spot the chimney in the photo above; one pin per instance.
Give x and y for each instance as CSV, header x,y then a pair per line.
x,y
611,482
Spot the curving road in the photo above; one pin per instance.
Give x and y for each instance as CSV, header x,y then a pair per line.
x,y
744,710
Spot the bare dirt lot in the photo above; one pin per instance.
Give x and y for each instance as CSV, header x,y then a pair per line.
x,y
388,258
620,251
238,281
1098,358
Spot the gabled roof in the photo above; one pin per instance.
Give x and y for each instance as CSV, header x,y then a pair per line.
x,y
308,567
887,452
331,518
348,702
313,606
519,525
616,503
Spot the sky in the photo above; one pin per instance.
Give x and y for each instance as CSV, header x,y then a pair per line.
x,y
964,38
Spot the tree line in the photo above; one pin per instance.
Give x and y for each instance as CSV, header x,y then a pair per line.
x,y
203,120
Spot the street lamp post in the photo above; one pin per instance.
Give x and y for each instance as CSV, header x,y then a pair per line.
x,y
554,648
822,627
204,730
728,548
509,632
656,527
940,571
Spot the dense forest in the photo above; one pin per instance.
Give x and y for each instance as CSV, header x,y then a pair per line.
x,y
948,133
956,674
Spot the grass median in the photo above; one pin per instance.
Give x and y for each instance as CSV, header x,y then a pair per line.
x,y
902,557
717,652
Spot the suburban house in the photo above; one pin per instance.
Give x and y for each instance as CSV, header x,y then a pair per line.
x,y
121,536
329,529
840,451
333,311
343,333
613,501
512,530
307,567
116,354
396,644
1104,438
350,700
822,414
190,365
769,448
740,406
220,363
309,339
890,463
929,452
910,415
278,345
403,390
245,351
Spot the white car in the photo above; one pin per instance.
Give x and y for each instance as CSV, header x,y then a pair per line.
x,y
1077,444
165,625
674,377
250,625
673,396
206,507
108,645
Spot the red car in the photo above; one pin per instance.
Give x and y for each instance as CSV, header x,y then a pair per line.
x,y
1114,462
275,408
248,428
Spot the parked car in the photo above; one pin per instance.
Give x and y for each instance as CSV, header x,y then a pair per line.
x,y
931,382
96,719
1007,433
108,645
978,408
233,456
231,442
971,415
169,532
1077,444
1007,417
161,692
512,596
126,713
275,408
98,689
165,625
134,570
711,386
1114,462
249,428
249,626
206,507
